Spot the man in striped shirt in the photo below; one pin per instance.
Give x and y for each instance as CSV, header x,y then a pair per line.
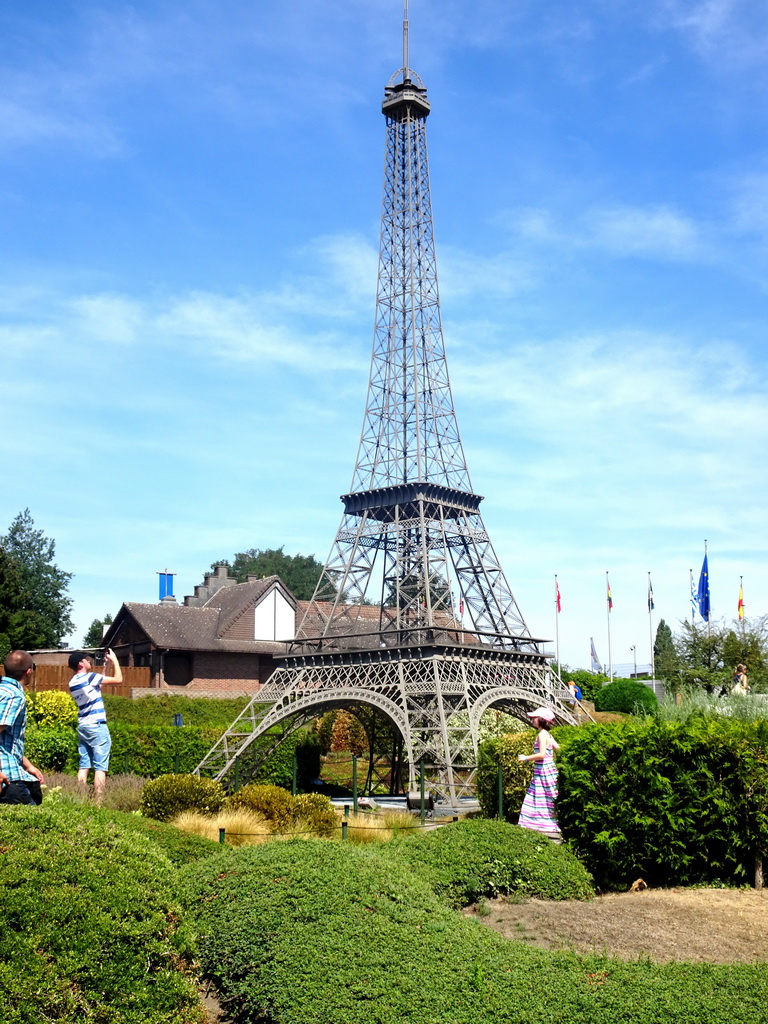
x,y
93,739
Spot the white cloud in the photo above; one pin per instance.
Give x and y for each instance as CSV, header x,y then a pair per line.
x,y
731,34
653,232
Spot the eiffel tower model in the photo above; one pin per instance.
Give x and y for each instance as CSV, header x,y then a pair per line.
x,y
413,615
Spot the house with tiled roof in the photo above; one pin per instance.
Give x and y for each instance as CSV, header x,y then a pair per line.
x,y
220,639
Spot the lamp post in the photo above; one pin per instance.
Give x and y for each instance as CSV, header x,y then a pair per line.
x,y
634,657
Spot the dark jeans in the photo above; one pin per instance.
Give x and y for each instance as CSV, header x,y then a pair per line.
x,y
18,792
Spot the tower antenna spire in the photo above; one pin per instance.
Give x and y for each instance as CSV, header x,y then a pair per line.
x,y
406,76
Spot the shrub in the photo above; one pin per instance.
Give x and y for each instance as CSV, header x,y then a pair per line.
x,y
311,933
626,696
673,803
89,923
316,813
503,750
477,857
272,802
52,749
165,797
52,708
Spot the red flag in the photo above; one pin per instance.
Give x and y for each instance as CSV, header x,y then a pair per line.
x,y
461,604
558,599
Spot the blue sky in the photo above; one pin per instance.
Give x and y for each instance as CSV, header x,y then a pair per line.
x,y
189,209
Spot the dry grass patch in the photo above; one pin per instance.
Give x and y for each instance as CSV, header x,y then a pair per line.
x,y
695,925
241,827
378,826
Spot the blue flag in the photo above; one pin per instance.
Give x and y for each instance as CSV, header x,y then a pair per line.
x,y
702,596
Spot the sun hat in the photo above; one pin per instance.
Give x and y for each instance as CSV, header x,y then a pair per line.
x,y
546,713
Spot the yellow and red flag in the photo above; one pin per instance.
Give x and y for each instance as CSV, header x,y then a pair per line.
x,y
741,601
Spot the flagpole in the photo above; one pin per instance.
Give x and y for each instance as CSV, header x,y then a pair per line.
x,y
693,602
650,627
608,613
557,624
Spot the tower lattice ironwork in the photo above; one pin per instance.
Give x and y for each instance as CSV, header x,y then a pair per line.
x,y
413,615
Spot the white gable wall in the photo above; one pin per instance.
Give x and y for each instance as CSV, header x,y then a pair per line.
x,y
274,618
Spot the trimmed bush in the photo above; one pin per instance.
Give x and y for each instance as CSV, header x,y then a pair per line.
x,y
52,749
329,933
475,858
165,797
673,803
272,802
626,696
89,923
52,708
317,812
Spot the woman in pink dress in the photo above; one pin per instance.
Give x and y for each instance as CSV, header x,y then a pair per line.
x,y
538,810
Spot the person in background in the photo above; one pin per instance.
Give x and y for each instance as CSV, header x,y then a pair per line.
x,y
20,781
93,739
739,681
538,810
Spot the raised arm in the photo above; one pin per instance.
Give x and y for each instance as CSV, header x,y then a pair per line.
x,y
111,659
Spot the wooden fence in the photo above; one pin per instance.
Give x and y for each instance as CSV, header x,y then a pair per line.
x,y
56,677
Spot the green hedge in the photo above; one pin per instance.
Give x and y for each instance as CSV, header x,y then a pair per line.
x,y
152,750
89,923
311,932
673,803
200,712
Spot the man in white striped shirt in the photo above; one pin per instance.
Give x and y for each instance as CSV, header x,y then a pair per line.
x,y
93,739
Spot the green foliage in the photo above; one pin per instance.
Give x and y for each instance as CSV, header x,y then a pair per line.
x,y
33,590
299,573
272,802
165,797
200,712
88,923
278,768
158,749
516,775
674,803
699,704
310,932
626,696
52,749
51,708
665,658
96,631
589,682
478,857
179,847
317,811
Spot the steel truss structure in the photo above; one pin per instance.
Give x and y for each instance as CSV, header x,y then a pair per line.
x,y
413,614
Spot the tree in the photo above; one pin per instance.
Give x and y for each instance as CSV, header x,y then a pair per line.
x,y
96,631
665,657
299,573
40,609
